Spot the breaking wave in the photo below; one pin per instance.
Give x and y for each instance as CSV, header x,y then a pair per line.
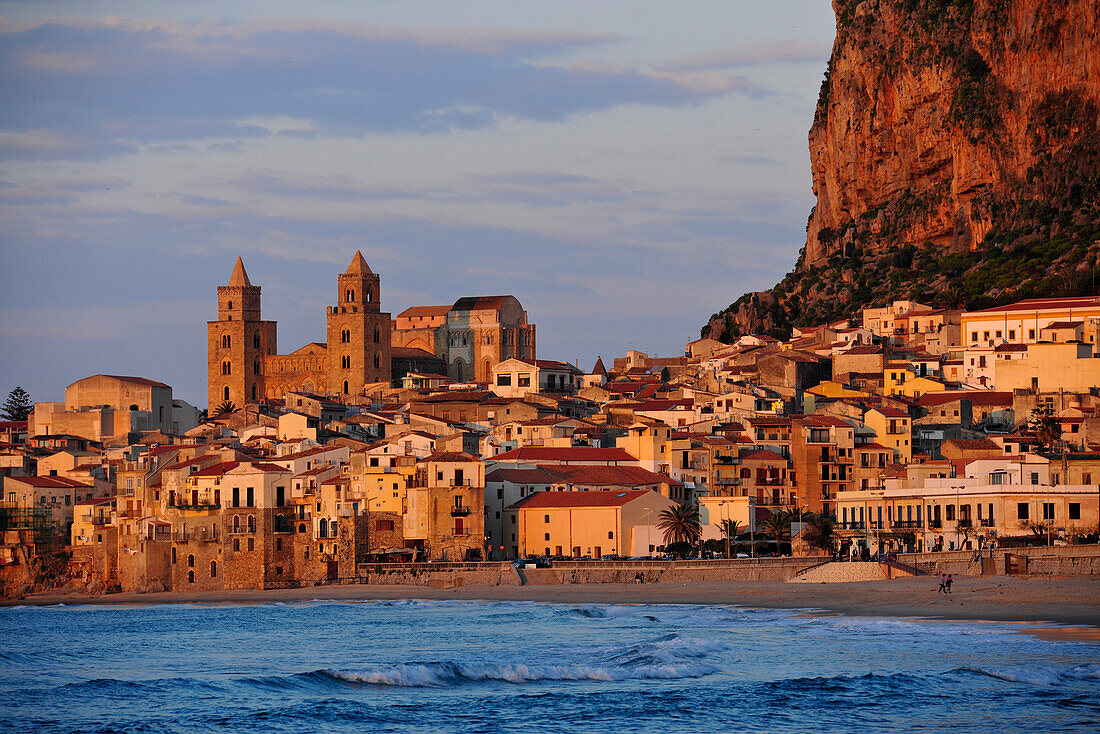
x,y
1038,676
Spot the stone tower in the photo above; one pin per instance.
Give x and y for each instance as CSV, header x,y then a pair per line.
x,y
236,344
358,332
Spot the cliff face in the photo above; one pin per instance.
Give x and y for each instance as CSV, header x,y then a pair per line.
x,y
952,138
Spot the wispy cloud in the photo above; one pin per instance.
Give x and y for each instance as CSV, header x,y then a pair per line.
x,y
94,89
750,54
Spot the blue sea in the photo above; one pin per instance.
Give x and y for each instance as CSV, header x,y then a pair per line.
x,y
442,666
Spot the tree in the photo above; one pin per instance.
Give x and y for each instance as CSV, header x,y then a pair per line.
x,y
225,408
1044,426
18,405
777,525
819,532
680,524
730,529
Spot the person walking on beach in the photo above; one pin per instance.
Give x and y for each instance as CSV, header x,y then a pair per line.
x,y
948,583
943,584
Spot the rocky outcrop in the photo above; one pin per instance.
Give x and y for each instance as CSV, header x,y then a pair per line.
x,y
949,133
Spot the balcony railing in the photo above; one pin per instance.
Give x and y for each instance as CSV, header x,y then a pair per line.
x,y
935,524
986,522
769,481
728,481
906,524
202,535
460,511
201,507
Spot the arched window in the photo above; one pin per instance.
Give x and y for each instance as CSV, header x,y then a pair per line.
x,y
349,295
370,295
236,523
376,335
302,528
256,367
230,305
256,340
225,393
227,341
377,360
253,392
191,561
345,362
322,528
345,387
251,523
227,368
191,576
213,569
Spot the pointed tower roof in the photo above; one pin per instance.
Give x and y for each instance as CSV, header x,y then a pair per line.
x,y
358,266
598,369
239,277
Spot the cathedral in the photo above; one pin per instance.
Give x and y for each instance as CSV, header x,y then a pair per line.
x,y
243,364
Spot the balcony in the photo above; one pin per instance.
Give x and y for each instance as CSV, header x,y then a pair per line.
x,y
986,522
965,522
188,507
727,460
460,511
935,524
201,535
906,524
769,481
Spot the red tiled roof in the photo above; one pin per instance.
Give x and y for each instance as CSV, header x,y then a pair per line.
x,y
609,476
1032,305
890,412
217,470
189,462
976,397
424,311
540,500
50,482
267,467
450,456
519,476
572,453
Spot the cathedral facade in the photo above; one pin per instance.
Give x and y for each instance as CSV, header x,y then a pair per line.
x,y
243,364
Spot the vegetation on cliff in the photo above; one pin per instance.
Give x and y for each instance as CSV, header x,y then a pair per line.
x,y
956,160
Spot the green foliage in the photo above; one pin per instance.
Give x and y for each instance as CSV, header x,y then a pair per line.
x,y
18,405
680,524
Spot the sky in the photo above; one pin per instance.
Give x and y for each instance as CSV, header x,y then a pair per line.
x,y
624,168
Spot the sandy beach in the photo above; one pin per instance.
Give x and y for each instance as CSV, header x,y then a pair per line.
x,y
1061,601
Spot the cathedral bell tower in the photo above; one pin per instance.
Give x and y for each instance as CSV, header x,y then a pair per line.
x,y
236,344
358,332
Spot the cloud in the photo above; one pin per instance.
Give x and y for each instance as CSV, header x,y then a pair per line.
x,y
750,54
96,89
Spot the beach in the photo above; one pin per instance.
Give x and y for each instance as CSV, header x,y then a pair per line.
x,y
1060,600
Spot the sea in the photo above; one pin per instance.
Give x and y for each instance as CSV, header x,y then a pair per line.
x,y
464,666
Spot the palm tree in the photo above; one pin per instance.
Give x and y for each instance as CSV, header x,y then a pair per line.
x,y
730,529
225,409
777,525
680,524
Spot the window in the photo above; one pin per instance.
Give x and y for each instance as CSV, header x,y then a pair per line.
x,y
236,544
1048,510
213,569
1034,477
546,518
504,380
985,336
1012,335
998,333
250,499
256,368
278,544
376,335
251,544
1086,478
949,512
227,368
1031,333
345,362
191,561
1074,510
251,527
345,387
349,295
236,498
256,340
1021,511
173,554
524,379
547,536
377,360
973,336
226,341
610,534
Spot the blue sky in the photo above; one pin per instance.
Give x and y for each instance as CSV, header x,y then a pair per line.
x,y
624,168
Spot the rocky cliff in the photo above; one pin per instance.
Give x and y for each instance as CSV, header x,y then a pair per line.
x,y
956,159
